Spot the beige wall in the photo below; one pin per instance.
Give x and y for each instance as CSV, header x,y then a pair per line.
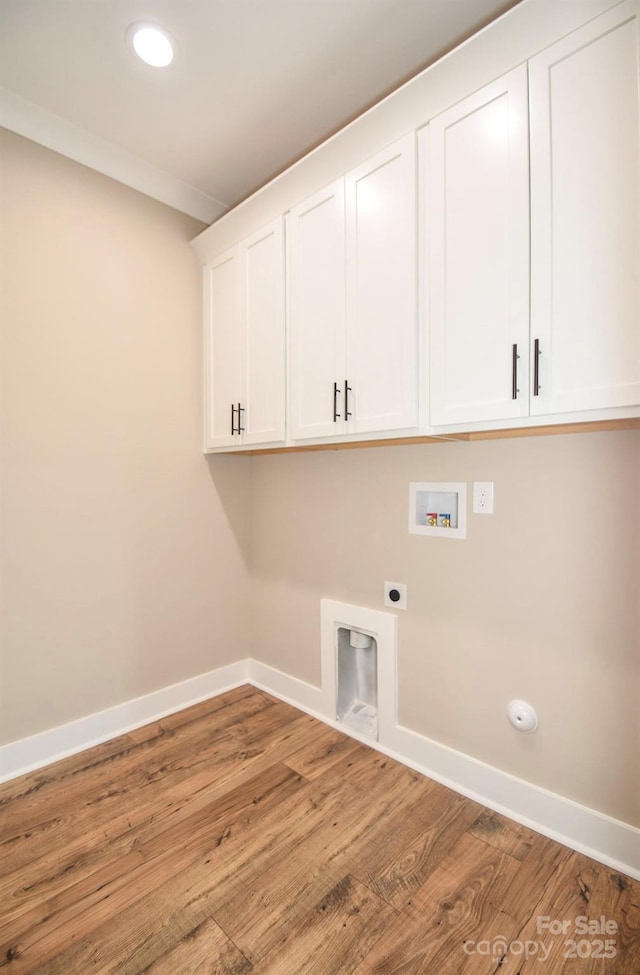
x,y
540,602
126,556
123,550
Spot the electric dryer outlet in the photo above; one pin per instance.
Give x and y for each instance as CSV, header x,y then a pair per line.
x,y
395,595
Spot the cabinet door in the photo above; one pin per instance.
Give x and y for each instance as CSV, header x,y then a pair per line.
x,y
585,216
478,220
382,291
316,312
263,399
223,347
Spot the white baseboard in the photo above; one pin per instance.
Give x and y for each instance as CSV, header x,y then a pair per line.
x,y
586,830
50,746
608,840
307,697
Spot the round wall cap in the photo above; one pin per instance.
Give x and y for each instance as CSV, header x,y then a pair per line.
x,y
522,716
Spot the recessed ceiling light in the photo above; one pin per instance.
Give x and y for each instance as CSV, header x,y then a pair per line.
x,y
152,44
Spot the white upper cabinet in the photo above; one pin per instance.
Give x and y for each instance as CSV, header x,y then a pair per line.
x,y
352,301
578,346
382,354
316,312
244,342
528,271
478,260
585,217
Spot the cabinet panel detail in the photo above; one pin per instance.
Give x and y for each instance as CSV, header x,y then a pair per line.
x,y
585,198
263,294
223,347
382,290
316,311
478,219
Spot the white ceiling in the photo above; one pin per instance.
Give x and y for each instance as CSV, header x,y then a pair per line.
x,y
256,85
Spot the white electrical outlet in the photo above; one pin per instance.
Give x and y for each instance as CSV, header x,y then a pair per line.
x,y
483,497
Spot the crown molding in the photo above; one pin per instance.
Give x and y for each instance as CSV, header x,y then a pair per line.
x,y
47,129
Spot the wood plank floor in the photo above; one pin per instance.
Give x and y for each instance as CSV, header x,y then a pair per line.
x,y
243,836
